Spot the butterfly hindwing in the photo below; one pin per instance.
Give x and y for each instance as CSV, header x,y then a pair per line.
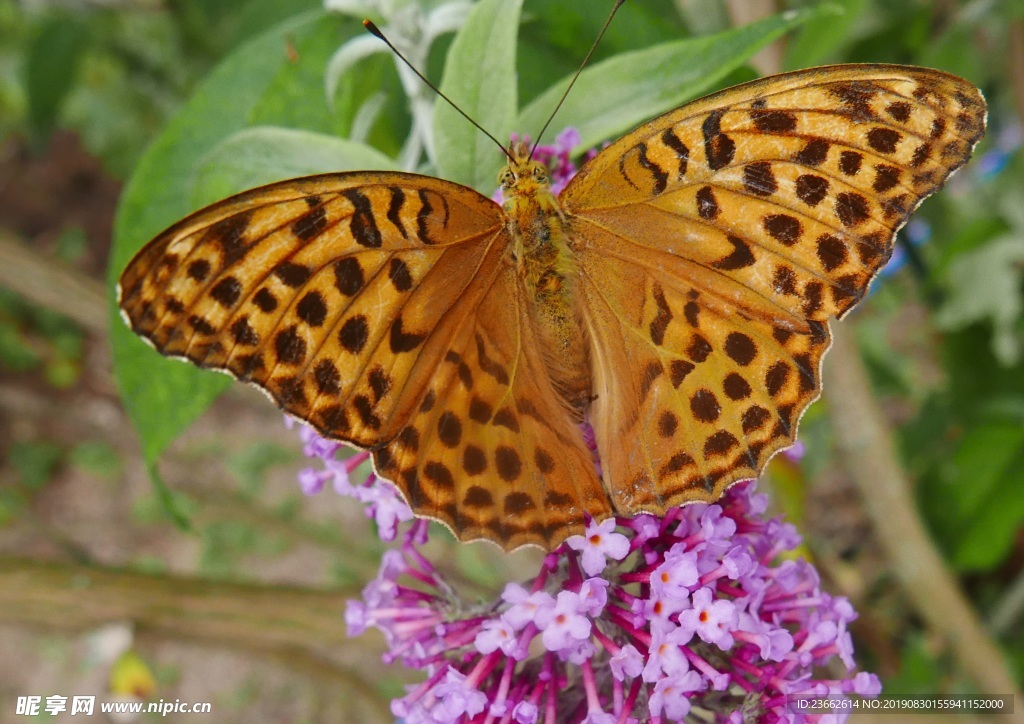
x,y
703,392
747,219
492,452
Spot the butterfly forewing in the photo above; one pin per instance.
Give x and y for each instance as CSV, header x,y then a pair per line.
x,y
314,290
718,239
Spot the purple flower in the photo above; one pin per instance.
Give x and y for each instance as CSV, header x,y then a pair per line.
x,y
525,712
312,481
627,661
796,452
381,498
385,505
675,575
671,695
563,625
526,607
659,607
313,444
598,543
713,621
456,697
496,634
773,643
865,684
593,596
665,656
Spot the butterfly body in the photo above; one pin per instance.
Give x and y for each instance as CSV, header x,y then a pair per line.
x,y
676,295
549,272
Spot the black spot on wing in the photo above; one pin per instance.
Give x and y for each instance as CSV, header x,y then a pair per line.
x,y
395,209
348,276
740,257
311,224
661,320
707,204
400,276
659,174
291,274
230,234
773,121
670,139
403,341
719,149
428,211
363,224
226,292
814,153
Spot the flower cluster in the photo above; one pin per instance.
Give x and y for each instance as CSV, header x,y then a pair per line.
x,y
641,619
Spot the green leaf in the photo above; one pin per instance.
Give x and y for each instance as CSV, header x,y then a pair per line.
x,y
172,505
163,397
615,95
262,155
972,234
705,16
954,50
985,454
983,508
480,76
557,34
990,538
50,70
918,670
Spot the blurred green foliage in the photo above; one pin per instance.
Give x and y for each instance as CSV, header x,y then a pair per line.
x,y
116,74
32,338
34,461
189,100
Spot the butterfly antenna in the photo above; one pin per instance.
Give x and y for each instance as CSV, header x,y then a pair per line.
x,y
618,4
375,31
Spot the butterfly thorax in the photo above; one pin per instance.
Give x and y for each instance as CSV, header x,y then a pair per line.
x,y
549,271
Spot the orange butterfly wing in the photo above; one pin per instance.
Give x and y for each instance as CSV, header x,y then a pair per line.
x,y
383,309
717,240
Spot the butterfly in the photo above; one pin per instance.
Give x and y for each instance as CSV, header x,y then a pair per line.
x,y
675,296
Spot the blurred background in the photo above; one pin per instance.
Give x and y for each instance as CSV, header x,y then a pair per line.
x,y
222,582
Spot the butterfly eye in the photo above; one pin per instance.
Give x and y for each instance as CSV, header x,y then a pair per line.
x,y
539,174
506,178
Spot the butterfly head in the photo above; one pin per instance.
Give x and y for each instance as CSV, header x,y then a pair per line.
x,y
523,175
